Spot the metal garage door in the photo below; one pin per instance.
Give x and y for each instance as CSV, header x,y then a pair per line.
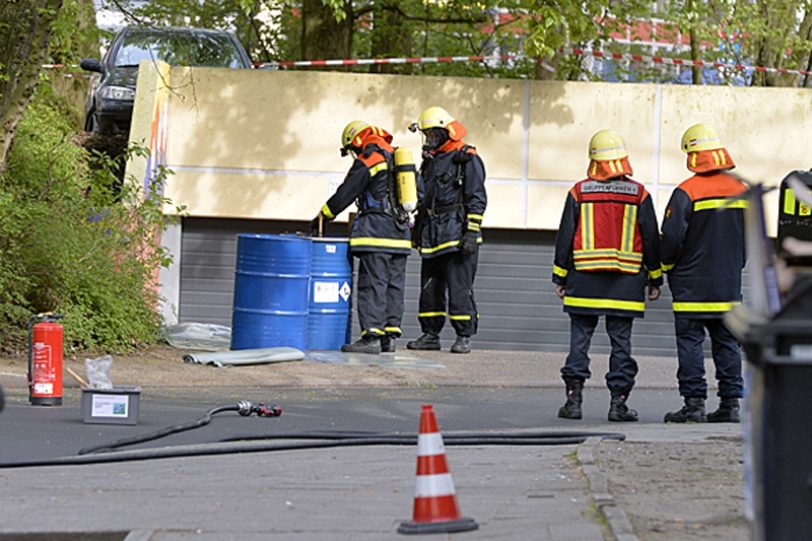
x,y
518,307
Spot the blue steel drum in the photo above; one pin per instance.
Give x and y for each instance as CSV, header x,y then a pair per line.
x,y
328,322
270,291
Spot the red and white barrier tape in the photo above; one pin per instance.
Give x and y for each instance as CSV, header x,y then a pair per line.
x,y
639,58
679,61
374,61
661,60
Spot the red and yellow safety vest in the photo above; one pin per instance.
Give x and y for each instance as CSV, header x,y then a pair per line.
x,y
607,237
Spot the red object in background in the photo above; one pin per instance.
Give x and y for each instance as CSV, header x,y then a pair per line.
x,y
45,362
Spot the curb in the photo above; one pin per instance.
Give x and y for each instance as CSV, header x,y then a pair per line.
x,y
619,524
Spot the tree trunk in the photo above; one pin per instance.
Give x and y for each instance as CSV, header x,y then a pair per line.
x,y
696,71
322,36
390,38
806,31
26,30
546,69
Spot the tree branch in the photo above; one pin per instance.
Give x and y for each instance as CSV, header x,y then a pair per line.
x,y
129,14
427,19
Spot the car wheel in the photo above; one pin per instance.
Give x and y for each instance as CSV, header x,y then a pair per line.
x,y
90,122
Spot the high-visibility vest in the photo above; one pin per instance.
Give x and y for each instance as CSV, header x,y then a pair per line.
x,y
794,218
607,237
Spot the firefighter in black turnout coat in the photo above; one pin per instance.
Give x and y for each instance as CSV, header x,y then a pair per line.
x,y
380,237
704,253
447,231
607,251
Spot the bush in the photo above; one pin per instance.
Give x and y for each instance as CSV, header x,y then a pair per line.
x,y
73,241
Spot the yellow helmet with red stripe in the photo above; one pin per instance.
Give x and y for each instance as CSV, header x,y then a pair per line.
x,y
351,131
607,145
700,137
434,117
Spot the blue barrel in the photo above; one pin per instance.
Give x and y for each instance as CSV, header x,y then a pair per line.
x,y
270,291
328,322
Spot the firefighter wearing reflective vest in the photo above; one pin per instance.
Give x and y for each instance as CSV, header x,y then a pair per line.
x,y
380,237
703,256
606,252
447,230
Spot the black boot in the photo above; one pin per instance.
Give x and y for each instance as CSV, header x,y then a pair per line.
x,y
572,408
728,412
462,345
692,412
428,341
619,411
367,344
388,344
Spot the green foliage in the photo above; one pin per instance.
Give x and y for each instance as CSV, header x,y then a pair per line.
x,y
777,33
75,242
75,34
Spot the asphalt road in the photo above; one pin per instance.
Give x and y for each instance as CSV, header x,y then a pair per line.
x,y
636,490
35,433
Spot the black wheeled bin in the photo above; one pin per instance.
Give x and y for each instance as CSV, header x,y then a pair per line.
x,y
779,409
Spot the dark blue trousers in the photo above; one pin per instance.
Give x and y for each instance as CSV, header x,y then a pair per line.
x,y
622,366
381,287
452,274
726,357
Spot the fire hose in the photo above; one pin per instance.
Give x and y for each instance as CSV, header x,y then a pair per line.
x,y
288,441
243,407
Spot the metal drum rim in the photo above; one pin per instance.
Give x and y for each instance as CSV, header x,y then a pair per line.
x,y
272,236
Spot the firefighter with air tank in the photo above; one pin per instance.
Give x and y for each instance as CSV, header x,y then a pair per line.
x,y
382,183
447,231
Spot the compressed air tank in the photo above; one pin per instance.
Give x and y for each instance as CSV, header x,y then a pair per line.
x,y
406,179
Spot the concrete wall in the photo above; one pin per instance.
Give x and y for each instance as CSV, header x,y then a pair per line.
x,y
264,144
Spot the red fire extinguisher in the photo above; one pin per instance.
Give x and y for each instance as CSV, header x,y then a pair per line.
x,y
45,360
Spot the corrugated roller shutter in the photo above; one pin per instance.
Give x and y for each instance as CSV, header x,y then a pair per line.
x,y
518,306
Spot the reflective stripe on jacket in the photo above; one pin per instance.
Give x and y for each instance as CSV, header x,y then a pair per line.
x,y
369,183
703,245
607,237
607,248
453,199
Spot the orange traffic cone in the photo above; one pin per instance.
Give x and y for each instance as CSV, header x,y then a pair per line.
x,y
435,503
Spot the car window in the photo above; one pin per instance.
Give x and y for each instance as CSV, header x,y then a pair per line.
x,y
179,49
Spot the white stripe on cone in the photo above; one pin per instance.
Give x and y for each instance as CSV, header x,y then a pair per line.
x,y
428,486
430,444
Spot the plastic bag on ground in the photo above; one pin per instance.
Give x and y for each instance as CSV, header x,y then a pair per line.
x,y
98,372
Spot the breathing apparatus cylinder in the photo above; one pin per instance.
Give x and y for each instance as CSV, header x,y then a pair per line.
x,y
406,179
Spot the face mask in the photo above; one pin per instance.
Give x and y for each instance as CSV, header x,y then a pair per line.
x,y
434,138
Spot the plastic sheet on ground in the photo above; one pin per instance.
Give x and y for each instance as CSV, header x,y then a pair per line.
x,y
394,360
203,336
245,356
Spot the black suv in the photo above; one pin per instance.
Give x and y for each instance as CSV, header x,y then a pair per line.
x,y
109,104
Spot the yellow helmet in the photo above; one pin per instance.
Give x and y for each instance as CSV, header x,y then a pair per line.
x,y
434,117
607,145
700,137
351,130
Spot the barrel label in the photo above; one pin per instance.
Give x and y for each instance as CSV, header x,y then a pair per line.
x,y
345,291
330,248
325,292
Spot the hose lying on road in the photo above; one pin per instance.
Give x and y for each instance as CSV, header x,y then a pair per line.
x,y
243,407
301,440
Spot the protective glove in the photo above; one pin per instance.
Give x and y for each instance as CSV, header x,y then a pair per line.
x,y
468,243
319,220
